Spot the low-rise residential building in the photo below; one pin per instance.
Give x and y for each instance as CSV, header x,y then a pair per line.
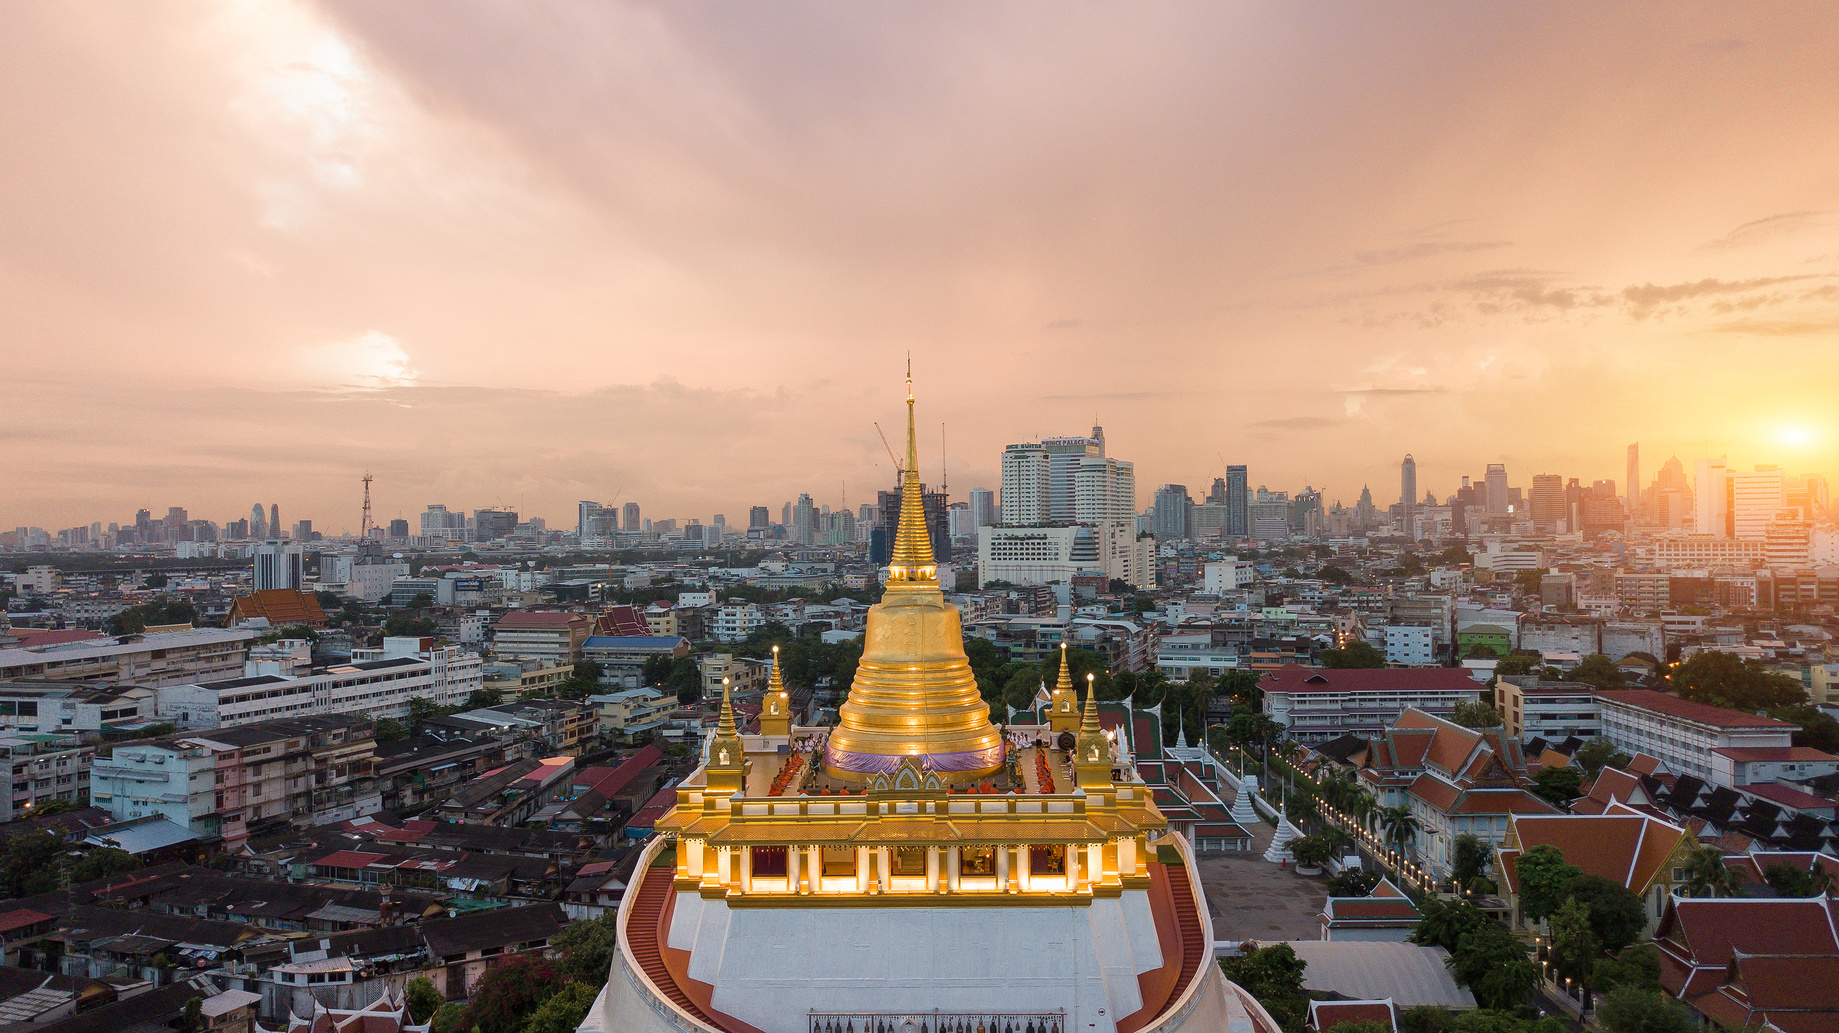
x,y
735,621
1549,710
514,679
1739,766
377,683
552,635
1411,645
744,675
55,708
622,657
633,711
1317,704
1179,656
45,768
164,658
1682,733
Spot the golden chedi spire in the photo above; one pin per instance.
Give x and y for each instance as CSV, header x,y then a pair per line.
x,y
776,707
1063,705
914,694
1092,750
727,754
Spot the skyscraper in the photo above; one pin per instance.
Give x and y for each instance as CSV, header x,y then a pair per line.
x,y
983,508
1499,498
1238,503
583,512
1548,505
804,521
758,518
1216,495
1756,496
1026,498
629,518
279,565
258,521
274,519
1408,494
1363,510
1172,506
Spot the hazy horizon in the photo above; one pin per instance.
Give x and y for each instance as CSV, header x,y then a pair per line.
x,y
531,254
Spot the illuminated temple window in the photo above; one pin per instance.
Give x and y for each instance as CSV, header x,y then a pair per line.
x,y
1047,860
769,862
910,860
977,860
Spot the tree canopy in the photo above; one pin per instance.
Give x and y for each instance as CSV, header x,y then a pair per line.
x,y
1353,655
1273,975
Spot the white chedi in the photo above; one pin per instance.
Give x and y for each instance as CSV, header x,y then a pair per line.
x,y
1279,850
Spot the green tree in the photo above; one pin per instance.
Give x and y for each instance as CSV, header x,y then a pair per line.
x,y
1631,1009
1443,923
1353,882
1516,664
1425,1018
421,708
587,948
1469,858
1637,966
510,992
1355,654
1545,880
449,1018
1274,976
1593,755
657,669
103,863
388,730
30,863
51,807
1559,785
423,999
1598,670
157,729
1728,680
1616,914
686,678
1476,714
564,1010
1400,824
191,1016
1708,876
1574,947
1794,881
483,698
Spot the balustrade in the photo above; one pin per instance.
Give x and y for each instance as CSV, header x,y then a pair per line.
x,y
938,1022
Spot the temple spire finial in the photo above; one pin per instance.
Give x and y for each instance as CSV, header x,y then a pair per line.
x,y
912,557
725,729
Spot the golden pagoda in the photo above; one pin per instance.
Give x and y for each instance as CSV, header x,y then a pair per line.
x,y
914,693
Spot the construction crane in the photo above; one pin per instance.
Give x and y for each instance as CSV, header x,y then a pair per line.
x,y
898,472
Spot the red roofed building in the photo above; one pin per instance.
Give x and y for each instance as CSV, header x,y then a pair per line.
x,y
1644,854
1749,963
622,622
1455,780
1386,914
1682,733
281,607
1317,704
1326,1015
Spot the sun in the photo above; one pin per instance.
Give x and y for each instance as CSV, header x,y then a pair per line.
x,y
1794,435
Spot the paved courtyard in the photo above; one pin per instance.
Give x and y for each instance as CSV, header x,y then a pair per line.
x,y
1251,898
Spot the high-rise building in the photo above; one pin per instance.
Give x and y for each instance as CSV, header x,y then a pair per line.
x,y
584,512
1634,483
274,520
1711,497
1216,495
629,518
1756,498
437,521
1026,496
804,521
983,507
176,515
1238,503
303,531
1173,506
1499,498
1408,495
936,509
258,521
1065,456
1364,510
399,528
279,565
1548,505
758,518
492,524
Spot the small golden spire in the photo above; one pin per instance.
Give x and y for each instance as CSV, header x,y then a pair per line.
x,y
725,729
774,682
1091,751
1089,726
912,559
1065,682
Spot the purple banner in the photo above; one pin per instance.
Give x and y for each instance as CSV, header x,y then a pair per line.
x,y
875,763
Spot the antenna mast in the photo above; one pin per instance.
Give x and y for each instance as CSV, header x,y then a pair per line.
x,y
365,524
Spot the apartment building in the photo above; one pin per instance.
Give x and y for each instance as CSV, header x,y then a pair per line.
x,y
1682,733
552,635
622,657
59,709
378,683
518,678
1549,710
735,621
633,711
164,658
1411,645
1317,704
238,782
45,768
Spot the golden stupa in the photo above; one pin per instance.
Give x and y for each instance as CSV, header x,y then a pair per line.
x,y
914,693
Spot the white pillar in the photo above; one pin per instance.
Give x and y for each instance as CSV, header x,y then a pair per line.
x,y
951,868
747,869
885,877
932,869
862,869
1024,865
1095,862
1072,868
1002,868
723,864
792,855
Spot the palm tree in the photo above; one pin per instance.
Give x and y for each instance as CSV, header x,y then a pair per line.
x,y
1400,825
1708,876
1361,806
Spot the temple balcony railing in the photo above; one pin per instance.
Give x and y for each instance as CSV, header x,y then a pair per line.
x,y
937,1021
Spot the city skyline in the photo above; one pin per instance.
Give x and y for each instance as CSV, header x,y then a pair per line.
x,y
293,242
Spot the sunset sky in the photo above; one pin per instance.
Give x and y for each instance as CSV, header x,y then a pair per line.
x,y
528,253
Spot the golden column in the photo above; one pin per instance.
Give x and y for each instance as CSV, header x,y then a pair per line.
x,y
914,694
